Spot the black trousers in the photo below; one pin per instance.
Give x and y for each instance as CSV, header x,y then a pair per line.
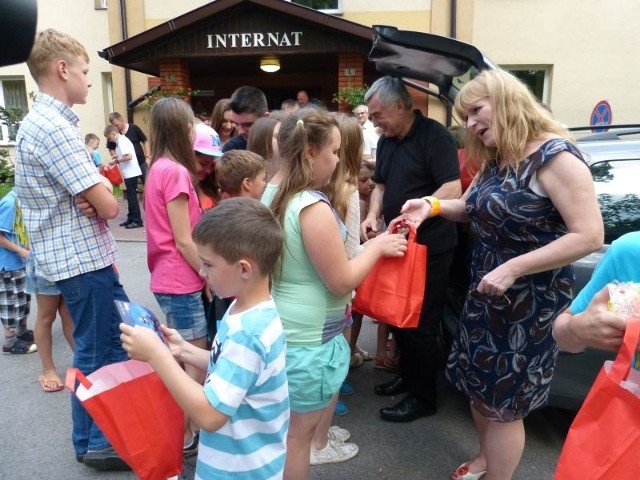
x,y
419,346
133,215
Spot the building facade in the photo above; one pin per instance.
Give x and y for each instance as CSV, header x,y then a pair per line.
x,y
575,54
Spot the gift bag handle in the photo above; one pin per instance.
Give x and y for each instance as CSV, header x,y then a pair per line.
x,y
74,374
622,364
411,237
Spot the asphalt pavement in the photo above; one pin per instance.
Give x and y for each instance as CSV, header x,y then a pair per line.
x,y
36,435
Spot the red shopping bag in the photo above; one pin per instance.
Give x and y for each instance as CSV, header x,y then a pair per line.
x,y
394,289
136,413
604,439
113,173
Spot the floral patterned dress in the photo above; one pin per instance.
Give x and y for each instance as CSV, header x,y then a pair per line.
x,y
504,355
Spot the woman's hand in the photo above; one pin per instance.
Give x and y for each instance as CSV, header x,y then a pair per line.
x,y
497,281
415,211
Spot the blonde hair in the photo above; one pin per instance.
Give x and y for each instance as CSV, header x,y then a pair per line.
x,y
344,180
236,165
518,118
308,127
170,122
51,45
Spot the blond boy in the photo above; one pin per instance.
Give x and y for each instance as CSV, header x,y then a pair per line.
x,y
241,173
72,247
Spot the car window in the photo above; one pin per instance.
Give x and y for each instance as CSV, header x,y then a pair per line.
x,y
617,185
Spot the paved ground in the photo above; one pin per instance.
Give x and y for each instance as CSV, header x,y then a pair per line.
x,y
35,440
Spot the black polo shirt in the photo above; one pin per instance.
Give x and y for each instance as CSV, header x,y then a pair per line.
x,y
415,166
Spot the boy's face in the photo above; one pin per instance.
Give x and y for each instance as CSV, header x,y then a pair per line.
x,y
222,277
112,137
77,81
255,187
94,144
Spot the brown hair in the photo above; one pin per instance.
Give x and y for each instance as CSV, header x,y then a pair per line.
x,y
51,45
260,138
217,116
170,124
308,127
236,165
344,180
110,129
256,236
90,136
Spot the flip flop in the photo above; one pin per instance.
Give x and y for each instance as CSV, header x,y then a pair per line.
x,y
50,386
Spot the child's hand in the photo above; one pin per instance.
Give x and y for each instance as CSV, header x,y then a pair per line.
x,y
390,244
174,340
140,343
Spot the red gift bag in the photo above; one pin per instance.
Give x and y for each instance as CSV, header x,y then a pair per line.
x,y
604,439
113,173
136,413
394,289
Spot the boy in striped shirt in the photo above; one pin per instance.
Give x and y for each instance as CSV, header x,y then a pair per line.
x,y
244,411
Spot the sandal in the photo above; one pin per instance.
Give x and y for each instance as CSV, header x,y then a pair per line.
x,y
20,347
364,354
50,385
463,473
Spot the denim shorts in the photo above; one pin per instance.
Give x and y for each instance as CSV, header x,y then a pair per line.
x,y
37,284
315,374
185,313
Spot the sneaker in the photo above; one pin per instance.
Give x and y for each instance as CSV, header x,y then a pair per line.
x,y
124,224
27,336
356,361
134,225
333,453
191,448
346,389
20,348
339,435
341,408
106,459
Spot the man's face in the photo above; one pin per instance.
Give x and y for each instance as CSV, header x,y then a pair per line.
x,y
388,117
244,122
302,98
361,115
118,123
78,83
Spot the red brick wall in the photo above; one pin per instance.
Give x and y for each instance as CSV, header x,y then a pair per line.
x,y
349,74
174,74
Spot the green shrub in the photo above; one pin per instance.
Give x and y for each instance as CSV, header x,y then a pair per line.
x,y
7,171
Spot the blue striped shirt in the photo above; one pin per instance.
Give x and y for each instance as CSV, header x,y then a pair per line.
x,y
53,165
247,381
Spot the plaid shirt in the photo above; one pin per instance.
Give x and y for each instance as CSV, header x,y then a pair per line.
x,y
53,165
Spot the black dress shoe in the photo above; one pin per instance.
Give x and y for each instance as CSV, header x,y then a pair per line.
x,y
391,388
134,225
124,224
106,459
407,410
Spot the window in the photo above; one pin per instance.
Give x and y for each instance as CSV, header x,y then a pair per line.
x,y
13,100
618,193
326,6
536,77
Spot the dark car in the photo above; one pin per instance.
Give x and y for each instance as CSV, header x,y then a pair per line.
x,y
614,161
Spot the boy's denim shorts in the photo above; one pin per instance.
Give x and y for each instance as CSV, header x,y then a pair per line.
x,y
37,284
315,374
185,313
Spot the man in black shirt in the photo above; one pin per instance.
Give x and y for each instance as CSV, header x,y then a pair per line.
x,y
137,137
415,156
248,104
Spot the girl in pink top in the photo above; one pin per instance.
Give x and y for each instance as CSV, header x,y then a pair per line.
x,y
171,211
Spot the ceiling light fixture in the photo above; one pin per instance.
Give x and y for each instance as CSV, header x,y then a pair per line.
x,y
270,64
